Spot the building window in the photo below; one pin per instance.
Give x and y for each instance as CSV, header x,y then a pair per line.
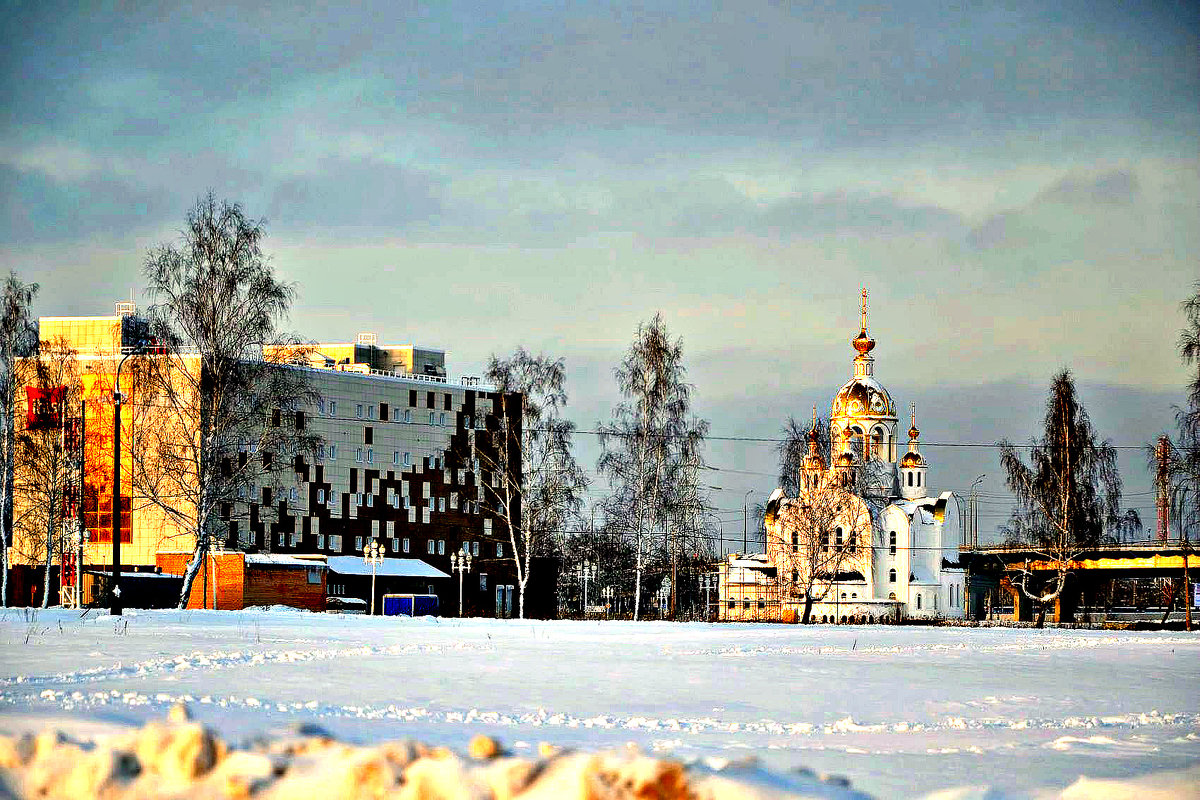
x,y
918,479
335,543
320,541
333,452
358,410
918,602
408,415
358,544
910,483
371,411
431,547
396,457
441,547
483,581
891,543
475,548
432,416
395,501
404,544
320,496
408,459
407,502
891,576
441,504
442,420
358,455
333,408
499,550
843,595
838,540
370,500
320,452
370,455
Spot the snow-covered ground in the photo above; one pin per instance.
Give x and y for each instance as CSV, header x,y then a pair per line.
x,y
898,711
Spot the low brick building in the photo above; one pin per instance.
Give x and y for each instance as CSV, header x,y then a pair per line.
x,y
233,581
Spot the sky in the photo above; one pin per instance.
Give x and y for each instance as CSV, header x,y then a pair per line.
x,y
1017,184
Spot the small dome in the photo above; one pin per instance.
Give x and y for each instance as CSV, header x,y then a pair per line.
x,y
863,343
913,432
845,460
910,460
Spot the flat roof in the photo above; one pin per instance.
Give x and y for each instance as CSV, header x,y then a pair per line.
x,y
390,568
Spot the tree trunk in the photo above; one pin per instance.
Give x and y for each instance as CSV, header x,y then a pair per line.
x,y
808,604
1041,617
637,583
6,502
189,574
49,560
1170,601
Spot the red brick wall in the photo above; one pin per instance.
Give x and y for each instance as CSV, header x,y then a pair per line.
x,y
225,579
268,585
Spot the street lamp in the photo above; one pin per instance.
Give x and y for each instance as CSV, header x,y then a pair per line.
x,y
118,398
708,582
746,522
460,562
607,593
975,511
373,555
587,571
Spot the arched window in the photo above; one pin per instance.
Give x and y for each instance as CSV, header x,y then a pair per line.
x,y
838,540
877,444
891,543
892,577
843,595
910,483
918,479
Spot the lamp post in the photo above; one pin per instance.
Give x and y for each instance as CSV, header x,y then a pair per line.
x,y
373,555
708,581
974,512
460,562
118,398
746,522
587,572
607,593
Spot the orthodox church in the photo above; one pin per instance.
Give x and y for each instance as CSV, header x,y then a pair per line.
x,y
864,538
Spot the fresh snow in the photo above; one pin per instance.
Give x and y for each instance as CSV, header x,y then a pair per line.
x,y
899,711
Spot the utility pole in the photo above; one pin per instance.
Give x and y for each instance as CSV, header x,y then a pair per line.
x,y
746,522
79,538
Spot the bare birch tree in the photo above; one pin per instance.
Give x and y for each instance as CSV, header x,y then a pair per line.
x,y
649,436
224,407
1070,489
532,484
47,463
818,524
18,339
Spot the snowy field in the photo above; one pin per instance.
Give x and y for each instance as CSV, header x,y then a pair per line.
x,y
899,711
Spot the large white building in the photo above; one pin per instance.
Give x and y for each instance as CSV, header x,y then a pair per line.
x,y
877,543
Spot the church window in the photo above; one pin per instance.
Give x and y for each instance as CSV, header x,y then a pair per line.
x,y
918,479
838,541
843,595
891,543
891,576
910,479
891,596
918,602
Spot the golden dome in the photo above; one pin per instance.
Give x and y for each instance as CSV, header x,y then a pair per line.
x,y
863,397
845,460
913,433
863,343
910,460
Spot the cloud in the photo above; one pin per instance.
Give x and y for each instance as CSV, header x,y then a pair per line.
x,y
1115,187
